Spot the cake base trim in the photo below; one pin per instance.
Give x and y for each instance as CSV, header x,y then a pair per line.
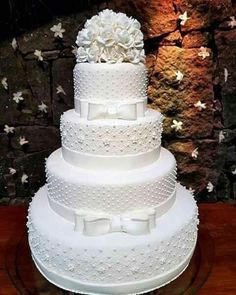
x,y
107,162
130,288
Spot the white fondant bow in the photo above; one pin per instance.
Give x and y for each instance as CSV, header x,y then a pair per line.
x,y
138,223
93,110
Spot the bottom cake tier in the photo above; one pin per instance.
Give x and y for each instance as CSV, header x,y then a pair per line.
x,y
115,263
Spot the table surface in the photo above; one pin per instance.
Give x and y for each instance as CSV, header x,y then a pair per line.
x,y
216,253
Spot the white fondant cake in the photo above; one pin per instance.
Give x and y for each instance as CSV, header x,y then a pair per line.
x,y
111,219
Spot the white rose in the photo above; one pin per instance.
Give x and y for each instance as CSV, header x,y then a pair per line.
x,y
138,39
85,38
106,37
122,21
93,53
133,56
81,55
107,17
124,39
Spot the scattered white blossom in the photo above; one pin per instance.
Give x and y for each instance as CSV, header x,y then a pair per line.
x,y
12,171
24,178
234,172
203,52
179,76
42,107
200,105
226,74
58,30
221,136
195,153
8,129
17,97
60,90
38,54
210,187
183,17
110,37
177,125
4,83
22,140
232,22
14,44
191,190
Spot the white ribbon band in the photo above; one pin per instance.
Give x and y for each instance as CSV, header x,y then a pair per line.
x,y
90,223
100,162
94,110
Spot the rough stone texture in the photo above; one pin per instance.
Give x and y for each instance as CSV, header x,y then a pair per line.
x,y
170,47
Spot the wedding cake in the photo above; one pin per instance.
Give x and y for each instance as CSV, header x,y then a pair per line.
x,y
112,219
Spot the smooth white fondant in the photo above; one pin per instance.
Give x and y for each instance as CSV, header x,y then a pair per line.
x,y
114,259
110,82
113,192
78,216
111,136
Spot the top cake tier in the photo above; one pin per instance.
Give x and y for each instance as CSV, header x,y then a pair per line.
x,y
103,87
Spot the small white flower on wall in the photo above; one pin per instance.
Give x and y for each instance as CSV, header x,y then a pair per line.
x,y
226,74
58,30
210,187
8,129
22,140
60,90
24,178
195,153
221,136
179,76
38,54
14,44
203,52
12,171
232,22
183,17
42,107
4,83
17,96
234,172
200,105
177,125
192,191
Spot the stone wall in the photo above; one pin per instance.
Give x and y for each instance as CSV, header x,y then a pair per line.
x,y
192,74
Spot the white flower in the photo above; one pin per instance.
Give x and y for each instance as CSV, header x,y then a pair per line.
x,y
203,52
17,97
200,105
4,83
234,172
12,171
179,76
221,136
9,129
192,191
226,74
22,140
60,90
210,187
58,30
24,178
110,37
42,107
195,153
38,54
14,43
177,125
232,22
183,17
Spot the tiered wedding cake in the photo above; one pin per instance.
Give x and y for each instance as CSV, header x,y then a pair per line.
x,y
111,219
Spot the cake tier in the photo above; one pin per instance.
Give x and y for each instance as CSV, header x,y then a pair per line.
x,y
116,263
104,192
103,82
111,144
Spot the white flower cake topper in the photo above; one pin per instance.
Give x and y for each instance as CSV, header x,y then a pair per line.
x,y
110,37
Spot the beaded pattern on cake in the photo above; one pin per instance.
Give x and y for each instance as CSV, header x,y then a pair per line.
x,y
111,139
110,199
124,84
114,265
